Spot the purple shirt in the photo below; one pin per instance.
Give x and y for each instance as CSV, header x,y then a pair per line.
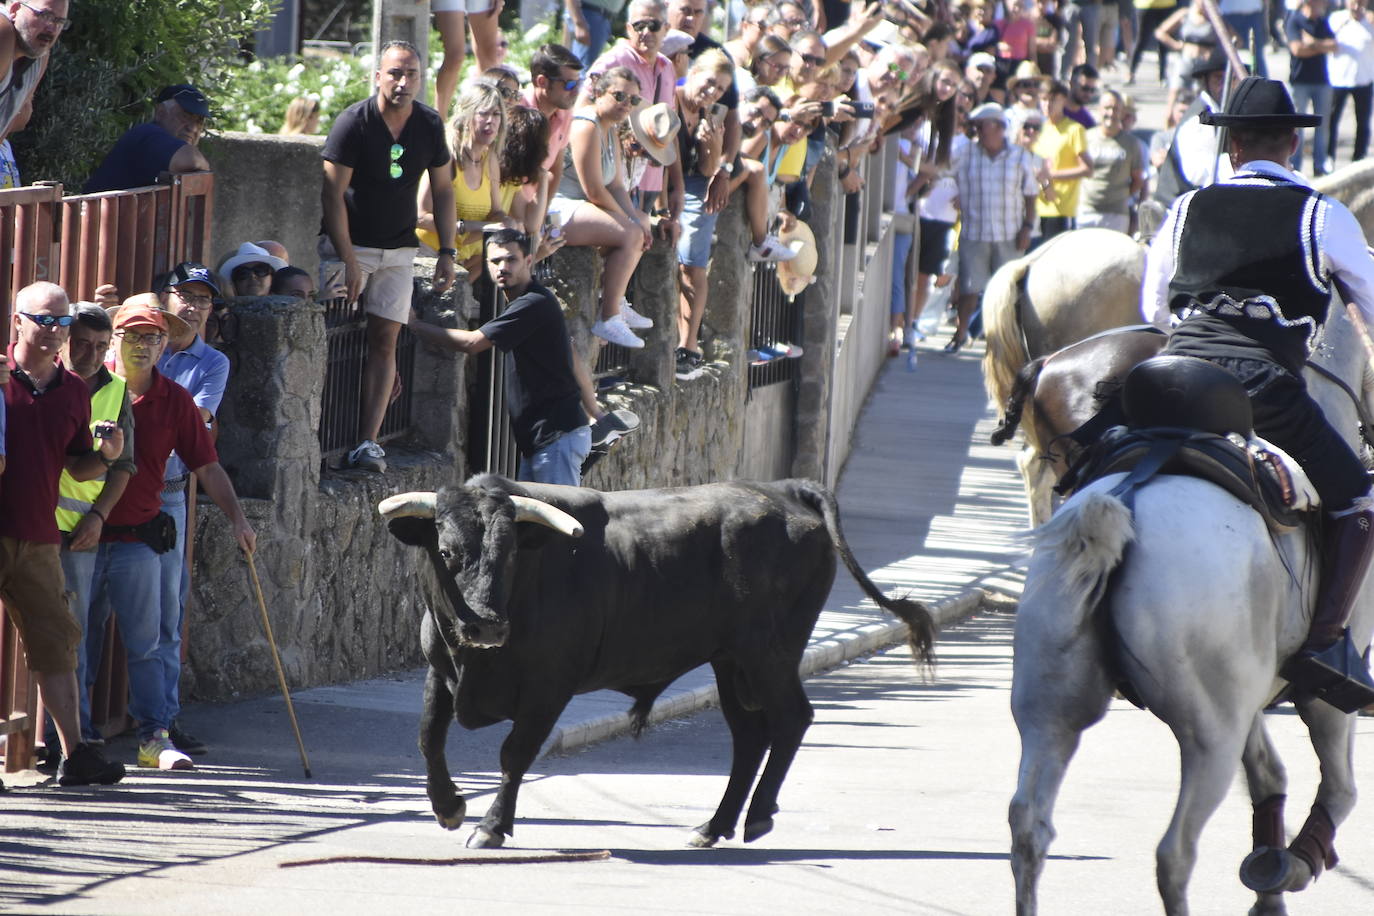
x,y
656,84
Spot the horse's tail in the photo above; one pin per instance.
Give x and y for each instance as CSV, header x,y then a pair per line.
x,y
1088,536
914,614
1006,343
1022,388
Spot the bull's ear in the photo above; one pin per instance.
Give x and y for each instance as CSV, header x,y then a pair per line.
x,y
412,531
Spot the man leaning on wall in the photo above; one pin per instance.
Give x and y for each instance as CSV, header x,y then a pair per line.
x,y
28,31
373,159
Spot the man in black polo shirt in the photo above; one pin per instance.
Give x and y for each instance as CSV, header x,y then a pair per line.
x,y
373,159
542,394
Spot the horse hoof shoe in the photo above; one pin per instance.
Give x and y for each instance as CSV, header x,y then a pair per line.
x,y
482,838
755,829
453,819
1267,870
702,841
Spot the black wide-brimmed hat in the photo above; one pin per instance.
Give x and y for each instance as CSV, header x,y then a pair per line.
x,y
1258,102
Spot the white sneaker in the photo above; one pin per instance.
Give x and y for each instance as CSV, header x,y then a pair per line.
x,y
633,319
616,331
369,456
158,753
770,249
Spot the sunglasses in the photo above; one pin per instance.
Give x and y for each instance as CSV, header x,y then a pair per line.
x,y
793,23
815,61
134,339
397,151
623,97
647,25
508,93
49,321
258,270
1031,128
897,69
570,85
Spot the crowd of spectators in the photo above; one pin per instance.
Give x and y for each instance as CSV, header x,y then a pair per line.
x,y
1004,132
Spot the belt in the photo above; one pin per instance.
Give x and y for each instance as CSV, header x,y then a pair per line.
x,y
176,484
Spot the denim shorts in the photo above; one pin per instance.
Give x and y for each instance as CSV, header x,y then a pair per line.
x,y
561,460
698,226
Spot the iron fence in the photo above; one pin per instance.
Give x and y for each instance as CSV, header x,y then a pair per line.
x,y
346,339
775,320
491,444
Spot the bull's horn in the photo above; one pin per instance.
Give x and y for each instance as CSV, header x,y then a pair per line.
x,y
533,510
408,505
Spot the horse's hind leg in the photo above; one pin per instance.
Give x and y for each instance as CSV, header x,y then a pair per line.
x,y
1056,694
1208,752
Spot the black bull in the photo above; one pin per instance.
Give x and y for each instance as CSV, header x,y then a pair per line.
x,y
629,591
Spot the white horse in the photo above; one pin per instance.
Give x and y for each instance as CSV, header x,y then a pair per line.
x,y
1196,603
1073,286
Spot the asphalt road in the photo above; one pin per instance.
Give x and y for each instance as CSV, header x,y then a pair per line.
x,y
896,804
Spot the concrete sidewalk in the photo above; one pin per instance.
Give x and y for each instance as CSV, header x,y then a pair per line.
x,y
929,508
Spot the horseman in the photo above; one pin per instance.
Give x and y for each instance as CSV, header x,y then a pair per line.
x,y
1192,161
1250,263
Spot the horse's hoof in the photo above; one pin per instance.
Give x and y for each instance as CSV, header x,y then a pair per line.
x,y
482,838
452,820
1269,905
755,829
701,840
1268,870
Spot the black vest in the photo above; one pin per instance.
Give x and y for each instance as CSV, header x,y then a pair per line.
x,y
1250,256
1171,183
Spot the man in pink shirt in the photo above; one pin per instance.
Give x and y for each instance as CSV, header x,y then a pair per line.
x,y
645,27
555,77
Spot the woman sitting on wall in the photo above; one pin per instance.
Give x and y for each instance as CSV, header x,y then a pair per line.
x,y
522,157
593,205
476,133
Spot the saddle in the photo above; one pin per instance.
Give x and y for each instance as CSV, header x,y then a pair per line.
x,y
1188,417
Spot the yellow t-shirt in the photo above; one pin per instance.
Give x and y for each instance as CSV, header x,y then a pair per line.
x,y
793,161
471,204
1060,144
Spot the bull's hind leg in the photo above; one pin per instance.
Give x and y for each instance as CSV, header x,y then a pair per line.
x,y
789,715
1058,690
449,806
749,742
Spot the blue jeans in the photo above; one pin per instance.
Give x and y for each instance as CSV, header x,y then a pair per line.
x,y
560,461
1319,95
128,577
78,568
1250,33
174,584
901,249
599,27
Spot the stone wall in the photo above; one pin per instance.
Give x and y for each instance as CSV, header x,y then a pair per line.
x,y
340,591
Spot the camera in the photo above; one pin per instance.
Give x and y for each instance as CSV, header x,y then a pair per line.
x,y
102,431
862,109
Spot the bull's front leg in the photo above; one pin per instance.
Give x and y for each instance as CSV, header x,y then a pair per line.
x,y
517,753
449,806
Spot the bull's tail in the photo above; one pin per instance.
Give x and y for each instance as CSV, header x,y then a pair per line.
x,y
1088,537
913,613
1021,389
1006,342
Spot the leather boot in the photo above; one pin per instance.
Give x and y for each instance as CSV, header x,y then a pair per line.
x,y
1328,665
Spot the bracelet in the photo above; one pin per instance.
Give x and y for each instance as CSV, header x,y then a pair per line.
x,y
98,514
451,252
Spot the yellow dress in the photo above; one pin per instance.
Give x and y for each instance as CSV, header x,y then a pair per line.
x,y
473,205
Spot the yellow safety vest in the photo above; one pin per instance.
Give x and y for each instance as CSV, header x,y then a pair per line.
x,y
75,498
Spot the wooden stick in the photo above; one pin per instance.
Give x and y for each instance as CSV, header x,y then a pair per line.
x,y
276,658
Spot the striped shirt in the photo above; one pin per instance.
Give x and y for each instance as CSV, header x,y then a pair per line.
x,y
993,192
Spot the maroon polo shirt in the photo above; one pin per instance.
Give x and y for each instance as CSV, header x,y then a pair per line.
x,y
166,419
42,429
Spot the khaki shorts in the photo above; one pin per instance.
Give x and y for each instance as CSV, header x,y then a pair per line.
x,y
388,278
33,590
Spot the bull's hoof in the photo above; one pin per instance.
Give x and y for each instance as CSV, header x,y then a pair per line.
x,y
1269,905
1268,870
452,820
755,829
482,838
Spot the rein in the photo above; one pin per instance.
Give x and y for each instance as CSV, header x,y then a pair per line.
x,y
1366,421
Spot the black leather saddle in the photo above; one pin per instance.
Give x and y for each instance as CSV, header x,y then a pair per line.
x,y
1189,417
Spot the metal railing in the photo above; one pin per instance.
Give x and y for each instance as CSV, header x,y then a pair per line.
x,y
775,318
80,242
346,338
492,445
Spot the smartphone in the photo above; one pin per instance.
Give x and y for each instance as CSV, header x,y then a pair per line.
x,y
827,109
554,221
102,431
718,112
862,109
331,285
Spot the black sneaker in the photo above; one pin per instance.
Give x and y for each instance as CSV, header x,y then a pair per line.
x,y
86,766
613,425
689,364
186,742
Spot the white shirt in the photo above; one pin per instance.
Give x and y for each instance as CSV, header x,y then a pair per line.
x,y
1344,255
1195,144
938,202
1353,63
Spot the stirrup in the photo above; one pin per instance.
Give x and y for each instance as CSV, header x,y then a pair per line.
x,y
1337,674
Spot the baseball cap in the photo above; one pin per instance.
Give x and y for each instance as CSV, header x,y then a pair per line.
x,y
188,97
132,315
192,272
988,111
983,61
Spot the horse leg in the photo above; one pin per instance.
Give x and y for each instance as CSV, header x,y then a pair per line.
x,y
749,742
1039,485
518,751
1208,765
1268,781
789,715
1313,849
1058,690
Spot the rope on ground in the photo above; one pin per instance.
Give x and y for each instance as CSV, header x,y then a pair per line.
x,y
590,855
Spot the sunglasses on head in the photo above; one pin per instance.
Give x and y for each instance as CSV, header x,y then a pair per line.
x,y
48,321
647,25
623,97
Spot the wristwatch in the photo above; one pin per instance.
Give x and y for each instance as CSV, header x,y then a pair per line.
x,y
451,252
727,167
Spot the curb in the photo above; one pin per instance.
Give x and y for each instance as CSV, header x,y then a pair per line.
x,y
821,655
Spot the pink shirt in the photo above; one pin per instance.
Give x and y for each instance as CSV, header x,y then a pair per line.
x,y
1019,35
560,122
656,82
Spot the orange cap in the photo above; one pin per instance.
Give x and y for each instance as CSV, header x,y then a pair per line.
x,y
131,315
